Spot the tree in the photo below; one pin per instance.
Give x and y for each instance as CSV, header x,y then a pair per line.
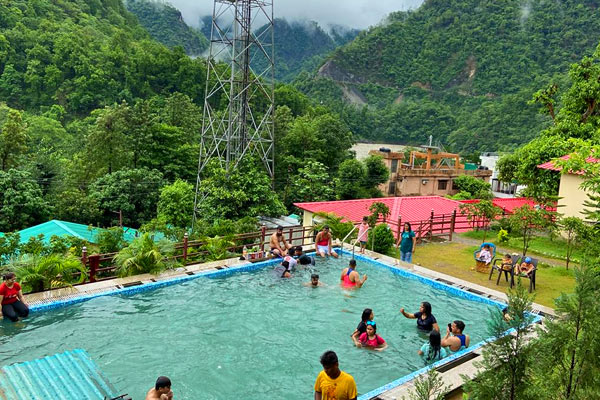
x,y
37,273
378,209
108,139
483,211
573,229
176,204
528,220
312,183
133,192
429,387
478,188
350,178
376,173
245,191
381,239
13,136
21,201
507,360
567,351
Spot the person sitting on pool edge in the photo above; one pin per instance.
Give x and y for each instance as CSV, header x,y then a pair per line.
x,y
161,390
458,341
323,243
367,315
279,247
425,319
350,278
433,350
11,298
333,383
370,339
314,281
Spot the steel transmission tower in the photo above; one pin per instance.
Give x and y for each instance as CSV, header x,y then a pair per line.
x,y
240,74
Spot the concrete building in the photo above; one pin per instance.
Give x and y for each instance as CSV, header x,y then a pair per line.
x,y
426,174
571,195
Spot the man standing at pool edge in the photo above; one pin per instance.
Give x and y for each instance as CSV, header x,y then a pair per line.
x,y
332,383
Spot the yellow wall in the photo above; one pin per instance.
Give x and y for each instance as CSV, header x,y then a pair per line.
x,y
307,220
571,196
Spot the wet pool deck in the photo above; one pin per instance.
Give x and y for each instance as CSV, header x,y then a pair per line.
x,y
452,377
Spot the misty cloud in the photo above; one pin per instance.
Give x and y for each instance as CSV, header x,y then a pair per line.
x,y
353,13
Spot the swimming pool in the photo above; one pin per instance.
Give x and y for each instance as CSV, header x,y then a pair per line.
x,y
248,334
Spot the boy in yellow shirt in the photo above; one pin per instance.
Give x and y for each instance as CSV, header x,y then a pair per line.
x,y
332,383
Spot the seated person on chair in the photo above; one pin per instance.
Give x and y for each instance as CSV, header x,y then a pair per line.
x,y
485,255
506,262
526,267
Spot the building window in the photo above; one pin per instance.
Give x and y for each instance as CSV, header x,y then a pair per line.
x,y
442,185
394,165
392,188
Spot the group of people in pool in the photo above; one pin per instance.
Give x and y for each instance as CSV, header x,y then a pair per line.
x,y
436,348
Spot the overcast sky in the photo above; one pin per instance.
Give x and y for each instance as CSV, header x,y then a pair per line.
x,y
353,13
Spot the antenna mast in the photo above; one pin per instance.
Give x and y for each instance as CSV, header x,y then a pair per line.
x,y
240,73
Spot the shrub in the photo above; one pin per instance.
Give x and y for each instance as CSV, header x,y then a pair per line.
x,y
110,240
502,236
38,273
144,256
384,239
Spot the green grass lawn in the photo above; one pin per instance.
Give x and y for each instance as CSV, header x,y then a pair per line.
x,y
540,245
456,259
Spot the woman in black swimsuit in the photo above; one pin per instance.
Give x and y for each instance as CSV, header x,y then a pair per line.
x,y
425,319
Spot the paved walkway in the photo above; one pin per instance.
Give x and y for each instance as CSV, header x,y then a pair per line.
x,y
499,251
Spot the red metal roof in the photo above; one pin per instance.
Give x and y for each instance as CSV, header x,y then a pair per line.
x,y
549,165
506,204
411,209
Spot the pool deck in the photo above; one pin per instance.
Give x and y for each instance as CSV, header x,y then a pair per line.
x,y
450,374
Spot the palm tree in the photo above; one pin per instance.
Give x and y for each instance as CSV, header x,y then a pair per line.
x,y
37,273
143,256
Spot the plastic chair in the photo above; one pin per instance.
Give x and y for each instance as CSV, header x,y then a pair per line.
x,y
514,260
531,275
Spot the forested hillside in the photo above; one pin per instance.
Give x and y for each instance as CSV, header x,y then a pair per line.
x,y
299,46
165,24
462,70
97,118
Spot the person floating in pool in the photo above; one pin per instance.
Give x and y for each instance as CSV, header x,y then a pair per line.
x,y
350,278
302,258
323,243
433,350
279,247
314,281
425,319
458,341
370,339
161,390
287,265
332,383
367,315
11,297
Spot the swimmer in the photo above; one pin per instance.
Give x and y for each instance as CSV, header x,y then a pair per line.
x,y
303,259
350,278
161,390
425,319
314,281
370,339
367,315
433,350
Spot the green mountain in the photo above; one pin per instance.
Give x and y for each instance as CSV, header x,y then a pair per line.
x,y
461,70
82,55
299,46
165,24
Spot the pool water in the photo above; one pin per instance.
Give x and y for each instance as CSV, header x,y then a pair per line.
x,y
250,335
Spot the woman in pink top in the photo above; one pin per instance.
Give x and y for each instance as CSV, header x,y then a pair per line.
x,y
350,278
363,234
370,339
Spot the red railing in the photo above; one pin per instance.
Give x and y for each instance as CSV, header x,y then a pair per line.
x,y
102,266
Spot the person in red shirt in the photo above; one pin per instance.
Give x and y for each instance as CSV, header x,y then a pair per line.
x,y
11,297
